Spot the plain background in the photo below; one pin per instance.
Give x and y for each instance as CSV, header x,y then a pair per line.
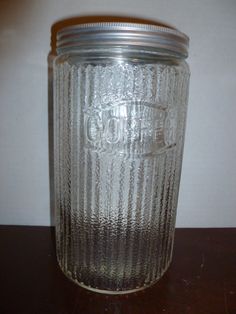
x,y
207,194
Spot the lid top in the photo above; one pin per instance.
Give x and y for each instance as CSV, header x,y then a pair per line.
x,y
122,34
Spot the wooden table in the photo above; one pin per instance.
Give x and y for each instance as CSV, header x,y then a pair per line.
x,y
201,279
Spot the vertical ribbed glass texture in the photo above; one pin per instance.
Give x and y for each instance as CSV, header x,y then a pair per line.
x,y
119,132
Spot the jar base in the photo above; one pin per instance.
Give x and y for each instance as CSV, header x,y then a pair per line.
x,y
115,292
120,292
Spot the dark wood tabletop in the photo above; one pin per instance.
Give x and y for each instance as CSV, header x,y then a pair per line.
x,y
201,278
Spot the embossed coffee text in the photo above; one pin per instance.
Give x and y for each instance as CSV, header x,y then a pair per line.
x,y
130,127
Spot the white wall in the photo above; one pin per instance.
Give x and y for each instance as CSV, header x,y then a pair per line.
x,y
207,194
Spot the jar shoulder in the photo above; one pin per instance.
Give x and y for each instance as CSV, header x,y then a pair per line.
x,y
136,60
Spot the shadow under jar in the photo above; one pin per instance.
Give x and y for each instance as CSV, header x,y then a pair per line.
x,y
120,102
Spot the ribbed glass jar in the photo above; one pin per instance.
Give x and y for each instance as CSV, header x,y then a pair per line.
x,y
119,116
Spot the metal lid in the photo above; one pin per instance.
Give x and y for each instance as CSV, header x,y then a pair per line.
x,y
119,34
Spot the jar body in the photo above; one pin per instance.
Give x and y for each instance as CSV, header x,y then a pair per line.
x,y
118,135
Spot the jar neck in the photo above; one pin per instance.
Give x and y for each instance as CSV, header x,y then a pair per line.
x,y
122,52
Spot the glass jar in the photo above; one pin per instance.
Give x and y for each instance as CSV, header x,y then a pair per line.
x,y
120,102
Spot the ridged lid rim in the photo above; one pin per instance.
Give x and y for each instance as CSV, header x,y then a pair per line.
x,y
119,33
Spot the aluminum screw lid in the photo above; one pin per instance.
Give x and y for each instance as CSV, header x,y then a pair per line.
x,y
119,34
